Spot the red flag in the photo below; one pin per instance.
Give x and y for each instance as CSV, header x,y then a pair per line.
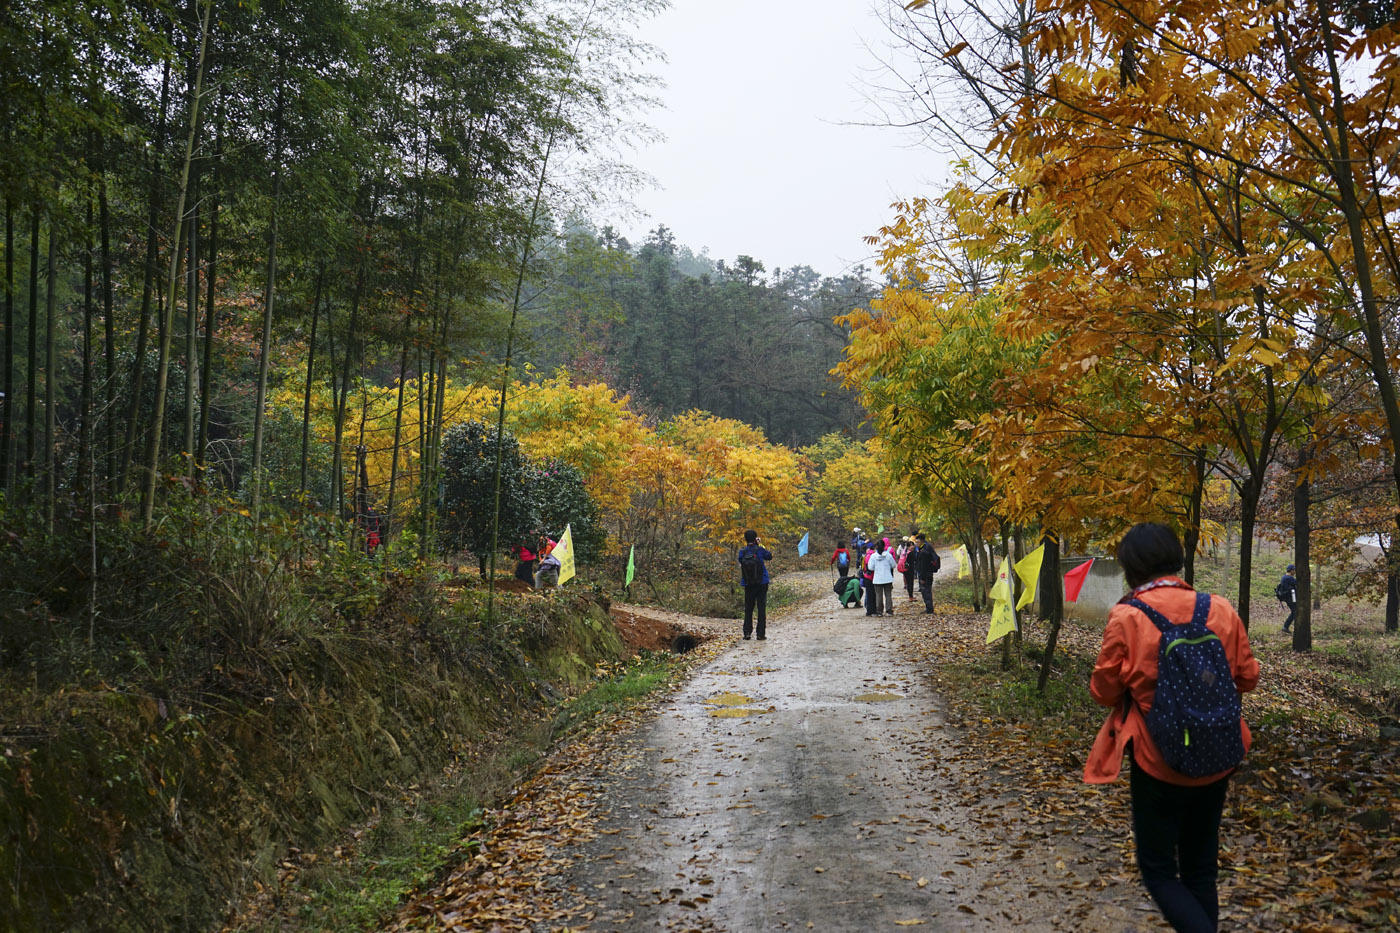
x,y
1074,580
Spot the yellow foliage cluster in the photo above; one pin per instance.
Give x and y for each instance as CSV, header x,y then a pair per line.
x,y
861,486
697,479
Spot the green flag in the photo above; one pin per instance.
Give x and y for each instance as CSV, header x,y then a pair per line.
x,y
631,566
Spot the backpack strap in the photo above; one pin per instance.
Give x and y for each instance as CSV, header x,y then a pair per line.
x,y
1199,614
1202,608
1156,618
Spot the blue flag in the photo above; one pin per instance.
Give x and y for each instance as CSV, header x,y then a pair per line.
x,y
802,545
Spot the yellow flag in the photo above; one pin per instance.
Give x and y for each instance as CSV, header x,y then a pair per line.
x,y
1028,571
1003,619
1002,588
964,562
564,550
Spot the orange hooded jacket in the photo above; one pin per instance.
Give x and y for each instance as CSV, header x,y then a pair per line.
x,y
1127,668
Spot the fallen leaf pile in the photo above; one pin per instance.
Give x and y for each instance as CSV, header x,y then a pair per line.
x,y
1309,840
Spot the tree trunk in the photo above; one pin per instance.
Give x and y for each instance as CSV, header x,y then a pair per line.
x,y
148,284
7,404
1052,605
398,432
439,404
1192,539
424,379
269,301
1006,546
1373,325
1249,510
148,494
85,432
1018,553
191,325
343,397
211,274
1302,553
310,369
31,373
1392,600
109,342
50,387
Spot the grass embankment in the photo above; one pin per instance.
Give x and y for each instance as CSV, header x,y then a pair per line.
x,y
1309,839
240,701
412,843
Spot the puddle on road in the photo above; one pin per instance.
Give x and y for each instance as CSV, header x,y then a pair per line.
x,y
877,697
732,706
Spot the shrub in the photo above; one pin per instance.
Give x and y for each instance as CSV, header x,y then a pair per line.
x,y
561,498
469,491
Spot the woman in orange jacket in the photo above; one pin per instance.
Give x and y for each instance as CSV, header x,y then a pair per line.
x,y
1176,818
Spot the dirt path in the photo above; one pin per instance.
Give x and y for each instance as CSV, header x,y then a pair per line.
x,y
806,782
803,782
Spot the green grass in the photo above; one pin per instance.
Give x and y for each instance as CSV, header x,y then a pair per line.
x,y
405,850
647,673
953,593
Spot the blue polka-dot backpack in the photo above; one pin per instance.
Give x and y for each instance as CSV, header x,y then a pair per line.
x,y
1195,715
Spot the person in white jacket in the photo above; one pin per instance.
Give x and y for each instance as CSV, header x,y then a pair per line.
x,y
882,567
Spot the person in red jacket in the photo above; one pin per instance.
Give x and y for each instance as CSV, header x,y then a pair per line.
x,y
841,558
1176,819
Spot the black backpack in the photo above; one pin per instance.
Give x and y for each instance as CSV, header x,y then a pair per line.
x,y
750,567
1281,591
1195,715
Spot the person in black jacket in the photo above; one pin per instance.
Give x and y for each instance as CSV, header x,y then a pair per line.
x,y
756,556
926,563
1287,592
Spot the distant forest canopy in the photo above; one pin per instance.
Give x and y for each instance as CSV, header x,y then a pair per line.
x,y
681,331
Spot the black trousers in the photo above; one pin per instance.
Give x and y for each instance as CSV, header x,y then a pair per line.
x,y
1177,831
756,597
1292,614
926,591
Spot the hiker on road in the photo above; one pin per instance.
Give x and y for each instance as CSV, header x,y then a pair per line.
x,y
753,577
1176,815
882,565
926,563
1287,593
841,559
847,590
905,564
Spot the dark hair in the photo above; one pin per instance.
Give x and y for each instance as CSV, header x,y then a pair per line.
x,y
751,536
879,545
920,536
1149,551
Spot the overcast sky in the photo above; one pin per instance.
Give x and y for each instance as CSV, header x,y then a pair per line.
x,y
763,154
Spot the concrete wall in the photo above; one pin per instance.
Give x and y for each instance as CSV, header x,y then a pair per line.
x,y
1104,587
